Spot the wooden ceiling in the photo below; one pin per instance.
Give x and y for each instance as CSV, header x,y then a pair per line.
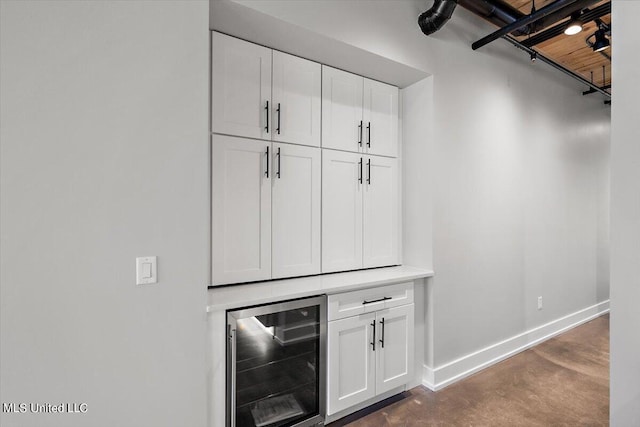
x,y
573,51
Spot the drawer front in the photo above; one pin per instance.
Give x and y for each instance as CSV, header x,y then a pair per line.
x,y
400,294
349,304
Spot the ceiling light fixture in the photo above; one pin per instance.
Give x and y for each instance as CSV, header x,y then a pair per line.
x,y
574,26
602,42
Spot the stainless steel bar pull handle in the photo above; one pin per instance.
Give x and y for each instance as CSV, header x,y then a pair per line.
x,y
382,333
373,342
267,110
278,173
266,172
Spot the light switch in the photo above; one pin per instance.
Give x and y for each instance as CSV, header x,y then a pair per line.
x,y
146,270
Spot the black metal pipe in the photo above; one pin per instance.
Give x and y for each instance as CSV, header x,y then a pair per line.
x,y
564,12
590,91
526,20
435,18
555,65
497,12
587,16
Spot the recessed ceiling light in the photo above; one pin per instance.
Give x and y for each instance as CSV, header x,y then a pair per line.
x,y
574,27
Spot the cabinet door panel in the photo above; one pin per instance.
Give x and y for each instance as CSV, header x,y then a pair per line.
x,y
241,211
341,211
297,92
341,109
351,364
380,212
241,87
395,357
295,210
380,118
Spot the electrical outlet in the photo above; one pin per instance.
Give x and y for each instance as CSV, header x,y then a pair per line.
x,y
539,303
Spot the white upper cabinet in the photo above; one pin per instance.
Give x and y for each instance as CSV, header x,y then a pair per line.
x,y
380,210
241,87
241,210
359,211
295,210
341,110
380,118
341,211
358,114
304,180
296,100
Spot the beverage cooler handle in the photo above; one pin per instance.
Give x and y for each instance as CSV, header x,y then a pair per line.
x,y
232,375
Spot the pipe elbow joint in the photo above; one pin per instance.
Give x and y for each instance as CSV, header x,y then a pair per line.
x,y
433,19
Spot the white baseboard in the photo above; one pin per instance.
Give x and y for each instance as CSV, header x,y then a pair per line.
x,y
451,372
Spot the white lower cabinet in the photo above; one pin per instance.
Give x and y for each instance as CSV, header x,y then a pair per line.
x,y
369,353
351,368
395,352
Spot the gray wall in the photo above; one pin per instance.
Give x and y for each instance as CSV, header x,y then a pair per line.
x,y
625,219
104,158
104,150
520,169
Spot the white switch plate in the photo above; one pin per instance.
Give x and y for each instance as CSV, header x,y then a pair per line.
x,y
146,270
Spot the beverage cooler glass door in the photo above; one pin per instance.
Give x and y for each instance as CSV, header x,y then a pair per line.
x,y
276,364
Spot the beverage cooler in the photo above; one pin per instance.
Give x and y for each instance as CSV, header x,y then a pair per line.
x,y
276,364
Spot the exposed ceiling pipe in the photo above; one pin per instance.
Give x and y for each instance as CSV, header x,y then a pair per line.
x,y
587,16
526,20
497,12
435,18
492,18
564,12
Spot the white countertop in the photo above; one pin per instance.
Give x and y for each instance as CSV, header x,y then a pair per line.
x,y
235,296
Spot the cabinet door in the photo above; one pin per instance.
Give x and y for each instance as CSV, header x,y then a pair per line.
x,y
395,347
380,212
296,100
341,110
351,364
341,211
241,87
380,118
295,210
241,211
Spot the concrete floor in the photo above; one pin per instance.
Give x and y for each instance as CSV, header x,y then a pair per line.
x,y
561,382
